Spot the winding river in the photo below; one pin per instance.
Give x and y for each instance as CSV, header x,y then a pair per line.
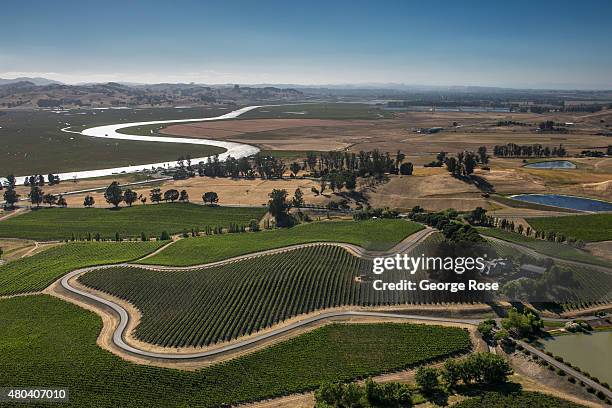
x,y
235,150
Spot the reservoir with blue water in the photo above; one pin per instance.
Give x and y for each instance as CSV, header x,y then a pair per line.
x,y
553,164
565,201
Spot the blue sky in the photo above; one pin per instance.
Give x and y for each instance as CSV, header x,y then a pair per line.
x,y
536,43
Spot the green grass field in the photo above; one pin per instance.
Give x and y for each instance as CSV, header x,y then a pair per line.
x,y
39,271
33,143
373,234
592,227
553,249
318,111
49,343
61,223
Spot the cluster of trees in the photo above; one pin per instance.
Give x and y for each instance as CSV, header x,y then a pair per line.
x,y
279,206
329,165
546,287
446,221
115,195
368,213
597,153
481,369
39,180
37,196
522,324
511,123
478,216
463,164
552,236
550,126
533,150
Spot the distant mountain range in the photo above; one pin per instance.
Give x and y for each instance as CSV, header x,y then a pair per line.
x,y
39,92
36,81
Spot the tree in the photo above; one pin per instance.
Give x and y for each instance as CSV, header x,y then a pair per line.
x,y
130,197
171,195
254,225
61,201
89,201
278,205
482,155
164,236
350,182
184,196
36,195
294,167
406,169
298,198
502,335
427,379
10,197
210,197
451,373
486,328
113,194
49,199
155,195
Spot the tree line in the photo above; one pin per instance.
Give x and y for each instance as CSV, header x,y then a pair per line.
x,y
551,236
317,164
533,150
477,369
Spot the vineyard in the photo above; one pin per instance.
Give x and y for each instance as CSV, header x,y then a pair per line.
x,y
592,227
372,234
66,223
62,339
204,306
39,271
584,288
554,249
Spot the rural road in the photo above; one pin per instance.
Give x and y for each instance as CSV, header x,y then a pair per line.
x,y
235,150
119,333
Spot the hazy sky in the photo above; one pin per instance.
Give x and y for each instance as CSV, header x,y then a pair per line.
x,y
535,43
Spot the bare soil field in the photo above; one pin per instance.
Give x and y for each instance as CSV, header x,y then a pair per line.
x,y
220,129
432,192
252,192
592,178
462,131
601,249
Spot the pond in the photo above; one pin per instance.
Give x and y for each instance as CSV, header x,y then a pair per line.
x,y
553,164
565,201
590,352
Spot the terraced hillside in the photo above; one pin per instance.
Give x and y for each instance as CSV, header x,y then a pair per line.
x,y
198,307
371,235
